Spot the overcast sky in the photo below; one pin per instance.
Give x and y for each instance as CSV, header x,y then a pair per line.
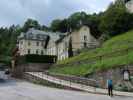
x,y
17,11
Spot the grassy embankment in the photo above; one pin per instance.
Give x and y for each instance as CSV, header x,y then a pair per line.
x,y
121,42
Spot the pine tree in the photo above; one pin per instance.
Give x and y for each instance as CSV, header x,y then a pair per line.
x,y
70,49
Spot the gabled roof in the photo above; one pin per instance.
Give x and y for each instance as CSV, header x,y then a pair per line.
x,y
33,34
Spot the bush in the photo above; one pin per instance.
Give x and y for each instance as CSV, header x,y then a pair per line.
x,y
37,59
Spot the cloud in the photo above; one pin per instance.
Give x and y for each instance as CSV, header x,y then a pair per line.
x,y
17,11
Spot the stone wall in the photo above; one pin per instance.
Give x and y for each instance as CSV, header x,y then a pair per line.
x,y
99,79
37,67
115,74
29,67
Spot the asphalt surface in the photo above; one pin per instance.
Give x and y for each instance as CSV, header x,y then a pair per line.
x,y
21,90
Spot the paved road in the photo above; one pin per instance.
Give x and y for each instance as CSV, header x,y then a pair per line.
x,y
21,90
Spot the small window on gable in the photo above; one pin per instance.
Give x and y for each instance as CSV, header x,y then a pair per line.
x,y
85,28
85,38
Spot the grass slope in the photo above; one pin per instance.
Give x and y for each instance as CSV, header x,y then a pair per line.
x,y
120,42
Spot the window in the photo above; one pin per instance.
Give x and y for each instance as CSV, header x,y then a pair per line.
x,y
85,29
85,44
21,42
42,44
85,38
38,36
37,43
29,43
28,51
66,45
36,51
31,35
42,52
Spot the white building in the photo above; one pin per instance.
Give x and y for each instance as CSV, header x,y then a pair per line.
x,y
62,46
32,42
51,47
38,42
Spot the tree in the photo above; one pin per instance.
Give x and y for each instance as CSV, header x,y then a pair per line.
x,y
63,26
55,25
93,22
116,20
77,19
70,49
44,28
31,23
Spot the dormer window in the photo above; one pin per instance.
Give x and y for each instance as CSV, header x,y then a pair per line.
x,y
37,43
30,35
29,43
38,36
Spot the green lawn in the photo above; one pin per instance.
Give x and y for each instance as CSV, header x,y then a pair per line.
x,y
120,42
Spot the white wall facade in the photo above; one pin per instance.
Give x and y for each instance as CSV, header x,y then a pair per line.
x,y
129,6
31,47
51,49
62,48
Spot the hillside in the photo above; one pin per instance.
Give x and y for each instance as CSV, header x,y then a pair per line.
x,y
113,53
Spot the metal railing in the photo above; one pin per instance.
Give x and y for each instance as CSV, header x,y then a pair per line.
x,y
74,84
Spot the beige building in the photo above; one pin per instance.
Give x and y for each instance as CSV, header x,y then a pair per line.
x,y
80,39
129,5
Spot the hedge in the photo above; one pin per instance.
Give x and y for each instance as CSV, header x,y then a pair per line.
x,y
32,58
